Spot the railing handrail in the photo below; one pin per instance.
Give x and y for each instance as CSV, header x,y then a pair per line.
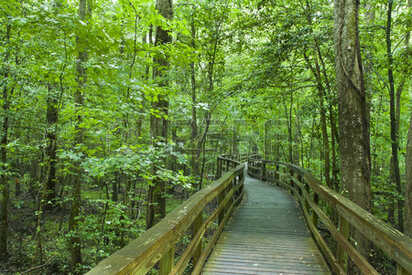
x,y
140,255
394,243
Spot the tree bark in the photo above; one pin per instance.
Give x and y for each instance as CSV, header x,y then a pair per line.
x,y
408,192
4,185
394,102
85,10
334,142
51,134
210,89
408,197
194,133
316,71
323,123
353,110
159,123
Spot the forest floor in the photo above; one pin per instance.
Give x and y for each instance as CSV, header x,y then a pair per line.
x,y
100,230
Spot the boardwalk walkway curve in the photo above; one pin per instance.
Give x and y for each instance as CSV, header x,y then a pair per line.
x,y
267,235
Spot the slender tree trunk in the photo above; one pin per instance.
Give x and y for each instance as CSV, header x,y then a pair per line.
x,y
316,71
203,146
4,185
333,127
395,173
334,141
208,114
408,191
47,192
51,134
85,10
288,114
323,121
156,200
408,197
194,162
353,110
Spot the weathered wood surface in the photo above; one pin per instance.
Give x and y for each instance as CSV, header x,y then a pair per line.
x,y
396,245
267,235
157,244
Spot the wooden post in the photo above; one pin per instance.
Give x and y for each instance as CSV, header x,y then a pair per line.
x,y
240,181
341,255
401,271
233,186
306,205
308,192
277,174
301,181
219,168
167,262
280,169
234,183
197,224
314,216
291,180
263,170
220,199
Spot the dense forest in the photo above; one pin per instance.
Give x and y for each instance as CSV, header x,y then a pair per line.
x,y
113,112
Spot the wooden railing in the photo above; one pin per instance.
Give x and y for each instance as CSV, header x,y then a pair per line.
x,y
157,245
310,193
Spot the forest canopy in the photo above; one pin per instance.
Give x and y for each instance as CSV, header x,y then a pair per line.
x,y
113,112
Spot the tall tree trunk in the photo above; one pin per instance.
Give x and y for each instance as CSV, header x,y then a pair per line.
x,y
334,141
194,162
408,197
159,123
408,191
203,147
208,114
323,121
353,110
395,173
47,192
288,114
333,128
4,185
316,71
85,10
51,134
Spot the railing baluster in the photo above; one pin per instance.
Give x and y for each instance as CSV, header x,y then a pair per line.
x,y
220,199
401,271
301,181
341,255
196,226
263,170
219,168
308,195
314,215
167,262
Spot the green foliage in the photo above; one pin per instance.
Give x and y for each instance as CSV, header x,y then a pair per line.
x,y
252,79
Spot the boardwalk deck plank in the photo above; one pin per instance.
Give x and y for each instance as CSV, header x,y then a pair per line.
x,y
267,235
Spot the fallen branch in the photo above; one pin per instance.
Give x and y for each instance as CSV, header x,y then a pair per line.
x,y
38,266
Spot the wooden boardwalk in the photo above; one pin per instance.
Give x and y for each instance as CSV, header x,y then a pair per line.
x,y
267,235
